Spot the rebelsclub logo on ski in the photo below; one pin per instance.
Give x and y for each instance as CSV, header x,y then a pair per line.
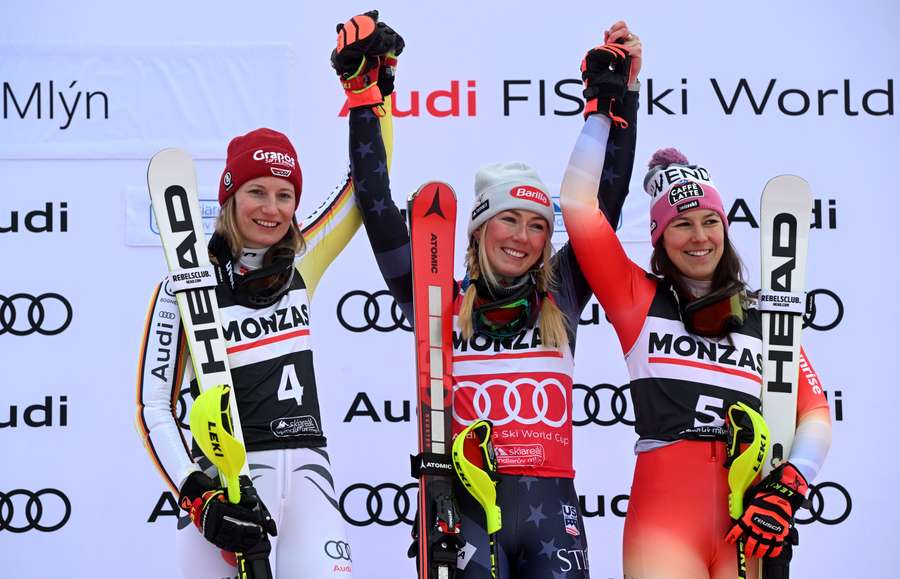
x,y
530,193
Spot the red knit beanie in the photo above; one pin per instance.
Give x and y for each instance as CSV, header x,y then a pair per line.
x,y
260,153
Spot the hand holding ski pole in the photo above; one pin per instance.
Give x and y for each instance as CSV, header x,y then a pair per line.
x,y
744,427
481,482
772,503
242,523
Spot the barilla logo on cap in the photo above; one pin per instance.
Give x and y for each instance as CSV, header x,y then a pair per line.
x,y
273,157
280,172
530,193
684,189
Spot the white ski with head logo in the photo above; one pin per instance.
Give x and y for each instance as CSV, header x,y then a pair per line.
x,y
173,191
786,206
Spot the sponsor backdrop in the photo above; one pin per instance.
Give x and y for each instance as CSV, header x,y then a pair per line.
x,y
90,90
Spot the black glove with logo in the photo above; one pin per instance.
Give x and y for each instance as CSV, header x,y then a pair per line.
x,y
604,71
230,527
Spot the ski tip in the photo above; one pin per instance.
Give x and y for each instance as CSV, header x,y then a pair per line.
x,y
787,183
171,155
432,187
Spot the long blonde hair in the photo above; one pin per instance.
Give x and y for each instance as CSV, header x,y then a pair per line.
x,y
552,321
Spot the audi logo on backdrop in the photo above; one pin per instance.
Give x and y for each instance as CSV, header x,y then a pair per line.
x,y
602,404
46,510
385,504
22,314
824,310
829,504
361,311
339,550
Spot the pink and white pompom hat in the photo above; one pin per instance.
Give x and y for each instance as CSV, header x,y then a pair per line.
x,y
676,186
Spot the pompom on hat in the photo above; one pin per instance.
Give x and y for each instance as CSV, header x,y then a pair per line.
x,y
676,186
504,186
260,153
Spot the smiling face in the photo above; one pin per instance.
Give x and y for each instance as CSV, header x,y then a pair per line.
x,y
514,241
694,242
264,208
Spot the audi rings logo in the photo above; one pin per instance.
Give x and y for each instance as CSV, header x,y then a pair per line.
x,y
338,550
503,402
22,314
603,404
829,504
385,504
22,510
360,311
824,310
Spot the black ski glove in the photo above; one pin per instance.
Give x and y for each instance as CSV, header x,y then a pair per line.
x,y
231,527
604,71
365,58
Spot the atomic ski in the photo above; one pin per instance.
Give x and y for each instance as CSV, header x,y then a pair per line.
x,y
786,206
432,226
172,181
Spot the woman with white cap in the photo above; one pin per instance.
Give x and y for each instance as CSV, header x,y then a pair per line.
x,y
516,315
691,336
268,269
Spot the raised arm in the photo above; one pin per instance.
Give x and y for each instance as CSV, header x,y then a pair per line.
x,y
622,287
334,222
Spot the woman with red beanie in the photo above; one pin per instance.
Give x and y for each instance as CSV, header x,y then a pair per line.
x,y
691,336
268,268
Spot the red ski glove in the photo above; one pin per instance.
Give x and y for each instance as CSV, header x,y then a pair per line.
x,y
771,505
365,59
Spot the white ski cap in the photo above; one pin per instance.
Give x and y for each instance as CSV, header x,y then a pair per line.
x,y
503,186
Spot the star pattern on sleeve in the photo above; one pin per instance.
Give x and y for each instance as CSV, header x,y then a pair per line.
x,y
364,150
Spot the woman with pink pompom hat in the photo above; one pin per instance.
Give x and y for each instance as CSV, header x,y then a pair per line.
x,y
692,339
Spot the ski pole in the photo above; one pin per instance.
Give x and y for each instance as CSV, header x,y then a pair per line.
x,y
213,431
743,426
481,482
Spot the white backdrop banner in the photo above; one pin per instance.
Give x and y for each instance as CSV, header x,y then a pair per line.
x,y
91,90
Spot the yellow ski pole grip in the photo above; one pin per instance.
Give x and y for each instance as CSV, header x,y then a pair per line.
x,y
480,482
744,426
212,429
